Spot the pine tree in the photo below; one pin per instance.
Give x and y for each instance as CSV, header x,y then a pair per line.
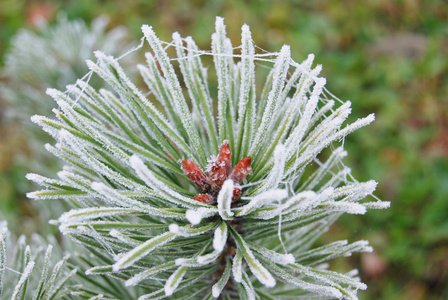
x,y
181,194
52,56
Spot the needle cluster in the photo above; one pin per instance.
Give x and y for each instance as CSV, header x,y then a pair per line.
x,y
182,194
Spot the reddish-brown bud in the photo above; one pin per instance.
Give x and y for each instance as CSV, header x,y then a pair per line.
x,y
217,175
225,157
196,175
204,198
236,193
241,170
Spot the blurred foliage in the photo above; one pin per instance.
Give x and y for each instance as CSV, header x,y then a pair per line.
x,y
387,57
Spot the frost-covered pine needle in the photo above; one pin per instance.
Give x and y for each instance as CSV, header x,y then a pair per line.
x,y
52,56
177,199
25,270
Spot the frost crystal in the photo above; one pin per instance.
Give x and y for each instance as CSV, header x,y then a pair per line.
x,y
240,225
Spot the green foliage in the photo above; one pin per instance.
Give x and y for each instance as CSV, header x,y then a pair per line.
x,y
54,56
31,272
405,149
134,209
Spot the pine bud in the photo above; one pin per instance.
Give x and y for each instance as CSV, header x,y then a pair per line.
x,y
241,170
196,175
205,198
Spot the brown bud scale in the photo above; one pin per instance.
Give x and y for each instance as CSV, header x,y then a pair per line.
x,y
204,198
217,175
236,193
225,157
241,170
196,175
218,170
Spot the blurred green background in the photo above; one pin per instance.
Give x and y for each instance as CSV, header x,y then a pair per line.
x,y
387,57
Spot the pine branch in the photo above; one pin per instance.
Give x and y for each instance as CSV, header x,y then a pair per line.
x,y
168,223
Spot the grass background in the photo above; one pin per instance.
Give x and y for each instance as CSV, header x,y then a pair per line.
x,y
387,57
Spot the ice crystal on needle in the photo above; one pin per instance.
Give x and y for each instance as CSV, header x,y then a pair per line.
x,y
242,225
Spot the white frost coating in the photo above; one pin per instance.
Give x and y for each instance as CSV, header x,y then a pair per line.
x,y
188,262
221,62
279,258
297,135
250,292
176,90
173,282
26,273
93,162
292,108
142,250
377,205
225,200
359,191
205,100
174,228
332,122
302,201
335,157
323,250
261,273
276,174
247,73
83,214
98,270
158,186
147,273
318,141
237,266
361,122
220,237
85,126
3,228
159,90
257,269
114,198
124,238
54,93
195,216
363,245
182,261
222,282
321,113
280,71
350,208
189,231
311,287
262,199
354,191
88,231
352,273
44,268
41,180
43,122
37,119
216,291
145,109
196,89
326,276
208,258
